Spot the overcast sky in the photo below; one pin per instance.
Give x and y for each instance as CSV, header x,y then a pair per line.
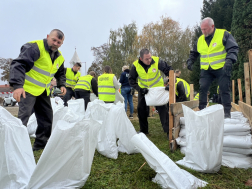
x,y
85,24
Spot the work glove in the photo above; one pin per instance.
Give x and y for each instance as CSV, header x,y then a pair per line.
x,y
189,65
167,88
144,91
228,67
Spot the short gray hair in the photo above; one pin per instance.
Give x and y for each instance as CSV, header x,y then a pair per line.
x,y
208,20
166,80
144,51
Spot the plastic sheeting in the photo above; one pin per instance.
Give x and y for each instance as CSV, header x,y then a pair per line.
x,y
67,158
162,164
16,157
157,96
204,138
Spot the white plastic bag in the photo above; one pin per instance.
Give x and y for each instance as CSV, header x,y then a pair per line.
x,y
16,157
238,133
32,125
204,138
67,158
169,175
119,97
238,127
245,151
237,141
157,96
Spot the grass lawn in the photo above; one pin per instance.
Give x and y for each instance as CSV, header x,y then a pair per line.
x,y
123,172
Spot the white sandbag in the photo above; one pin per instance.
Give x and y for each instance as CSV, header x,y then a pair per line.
x,y
181,141
162,164
182,132
67,158
233,154
237,162
238,133
204,138
182,120
157,96
238,127
182,126
16,157
58,114
77,106
237,141
236,114
245,151
183,149
235,121
93,97
32,125
118,97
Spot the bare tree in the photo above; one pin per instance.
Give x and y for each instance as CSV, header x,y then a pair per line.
x,y
5,66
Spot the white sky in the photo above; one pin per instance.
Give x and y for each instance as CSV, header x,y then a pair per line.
x,y
85,23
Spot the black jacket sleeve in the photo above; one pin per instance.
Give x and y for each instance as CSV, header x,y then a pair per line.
x,y
164,67
133,78
94,86
60,76
230,46
193,54
25,61
181,92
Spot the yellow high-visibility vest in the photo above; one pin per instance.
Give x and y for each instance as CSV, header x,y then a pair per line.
x,y
150,79
196,97
106,88
186,86
71,79
84,82
38,79
213,55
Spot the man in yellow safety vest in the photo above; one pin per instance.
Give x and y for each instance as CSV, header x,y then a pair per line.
x,y
107,85
30,76
182,89
218,51
145,74
72,75
84,86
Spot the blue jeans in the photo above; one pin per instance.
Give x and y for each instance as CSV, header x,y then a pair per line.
x,y
127,97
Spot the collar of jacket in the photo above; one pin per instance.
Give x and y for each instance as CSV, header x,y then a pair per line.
x,y
144,65
49,50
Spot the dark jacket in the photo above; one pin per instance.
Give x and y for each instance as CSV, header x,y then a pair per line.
x,y
162,66
94,87
124,79
25,61
228,41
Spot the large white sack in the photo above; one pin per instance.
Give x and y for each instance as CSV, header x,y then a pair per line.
x,y
237,141
238,133
58,114
237,162
169,175
233,154
118,97
16,157
93,97
204,138
238,127
183,149
32,125
67,158
157,96
234,121
245,151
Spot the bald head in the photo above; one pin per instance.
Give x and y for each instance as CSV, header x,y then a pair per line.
x,y
207,26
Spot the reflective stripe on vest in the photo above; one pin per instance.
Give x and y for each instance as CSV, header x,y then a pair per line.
x,y
84,82
38,79
213,55
150,79
106,88
71,79
196,97
186,86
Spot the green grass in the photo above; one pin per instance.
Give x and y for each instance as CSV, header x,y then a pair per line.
x,y
123,172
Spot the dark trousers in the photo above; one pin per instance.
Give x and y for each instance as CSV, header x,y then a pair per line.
x,y
206,78
43,112
83,94
69,94
143,115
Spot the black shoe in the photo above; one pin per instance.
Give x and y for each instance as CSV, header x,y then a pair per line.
x,y
131,116
227,115
37,149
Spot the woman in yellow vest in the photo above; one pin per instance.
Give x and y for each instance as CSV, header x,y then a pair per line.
x,y
72,75
218,51
84,86
107,85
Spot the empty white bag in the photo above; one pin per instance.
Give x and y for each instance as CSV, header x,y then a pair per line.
x,y
16,157
204,138
157,96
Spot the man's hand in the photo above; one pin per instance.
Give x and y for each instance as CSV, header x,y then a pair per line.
x,y
189,65
144,91
17,94
228,67
63,90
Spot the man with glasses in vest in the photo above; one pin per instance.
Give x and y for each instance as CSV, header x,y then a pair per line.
x,y
84,86
30,76
72,75
145,74
107,85
218,51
